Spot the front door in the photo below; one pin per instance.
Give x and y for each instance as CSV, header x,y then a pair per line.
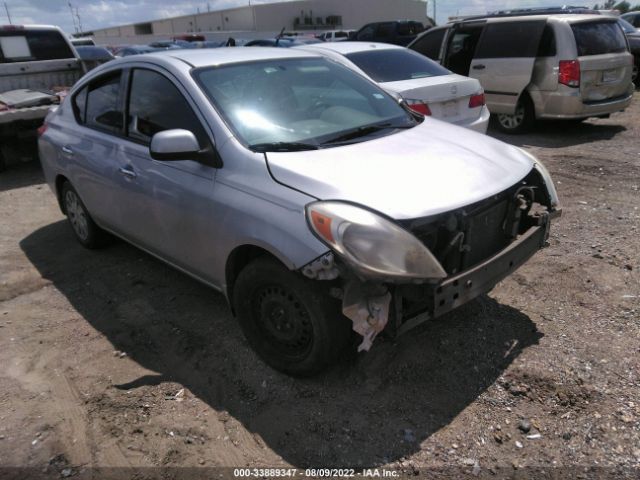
x,y
169,206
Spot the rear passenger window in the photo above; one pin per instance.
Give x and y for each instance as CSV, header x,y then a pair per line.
x,y
103,108
155,105
430,44
598,38
510,40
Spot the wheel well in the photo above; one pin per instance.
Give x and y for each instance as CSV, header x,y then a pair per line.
x,y
60,181
239,258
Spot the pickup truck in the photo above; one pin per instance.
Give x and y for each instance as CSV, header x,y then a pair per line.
x,y
37,65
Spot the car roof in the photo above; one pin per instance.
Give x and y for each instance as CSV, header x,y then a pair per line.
x,y
203,57
345,48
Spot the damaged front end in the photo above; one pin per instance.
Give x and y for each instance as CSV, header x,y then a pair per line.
x,y
394,275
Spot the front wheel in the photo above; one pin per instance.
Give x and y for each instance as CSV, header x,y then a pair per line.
x,y
291,323
521,120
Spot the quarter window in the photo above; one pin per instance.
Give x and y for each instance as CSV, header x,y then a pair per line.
x,y
155,105
103,108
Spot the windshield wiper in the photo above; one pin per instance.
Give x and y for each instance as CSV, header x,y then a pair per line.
x,y
363,131
282,147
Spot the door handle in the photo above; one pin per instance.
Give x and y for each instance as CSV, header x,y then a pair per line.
x,y
67,150
479,67
127,172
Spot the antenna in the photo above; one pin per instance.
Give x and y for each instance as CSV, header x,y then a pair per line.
x,y
6,7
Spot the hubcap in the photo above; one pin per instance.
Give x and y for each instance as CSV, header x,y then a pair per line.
x,y
512,121
283,320
76,215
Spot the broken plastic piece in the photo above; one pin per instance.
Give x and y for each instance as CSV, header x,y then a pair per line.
x,y
367,306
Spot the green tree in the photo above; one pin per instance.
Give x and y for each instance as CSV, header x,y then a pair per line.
x,y
622,7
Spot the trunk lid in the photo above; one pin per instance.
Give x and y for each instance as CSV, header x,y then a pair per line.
x,y
432,168
447,95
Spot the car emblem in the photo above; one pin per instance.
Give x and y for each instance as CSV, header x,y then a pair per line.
x,y
454,90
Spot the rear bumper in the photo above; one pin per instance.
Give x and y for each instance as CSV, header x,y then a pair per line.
x,y
561,105
479,124
457,290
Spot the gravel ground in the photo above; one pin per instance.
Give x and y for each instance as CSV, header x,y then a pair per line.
x,y
110,358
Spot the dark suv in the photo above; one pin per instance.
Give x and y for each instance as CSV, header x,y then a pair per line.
x,y
400,32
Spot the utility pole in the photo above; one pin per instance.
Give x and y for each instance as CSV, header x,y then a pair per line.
x,y
434,11
6,7
253,12
79,21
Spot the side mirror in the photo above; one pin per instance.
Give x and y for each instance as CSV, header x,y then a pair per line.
x,y
177,144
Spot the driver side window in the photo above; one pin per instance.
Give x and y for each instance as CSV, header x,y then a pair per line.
x,y
155,105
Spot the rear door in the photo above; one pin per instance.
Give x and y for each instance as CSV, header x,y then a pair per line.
x,y
606,65
504,60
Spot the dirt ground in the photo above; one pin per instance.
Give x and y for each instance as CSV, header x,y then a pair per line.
x,y
110,358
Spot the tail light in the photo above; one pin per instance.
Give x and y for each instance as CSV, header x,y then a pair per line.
x,y
569,73
418,106
42,128
476,100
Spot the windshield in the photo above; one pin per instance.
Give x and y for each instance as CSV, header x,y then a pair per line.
x,y
393,65
306,101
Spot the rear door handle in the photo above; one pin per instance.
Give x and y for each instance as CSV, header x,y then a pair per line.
x,y
479,67
127,172
67,150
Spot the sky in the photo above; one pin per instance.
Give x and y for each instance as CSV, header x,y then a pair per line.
x,y
96,14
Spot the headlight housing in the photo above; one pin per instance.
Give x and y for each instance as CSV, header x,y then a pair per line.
x,y
375,246
546,177
548,182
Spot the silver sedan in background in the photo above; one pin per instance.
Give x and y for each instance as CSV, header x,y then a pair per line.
x,y
313,200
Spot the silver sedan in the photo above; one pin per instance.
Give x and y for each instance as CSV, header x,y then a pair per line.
x,y
312,199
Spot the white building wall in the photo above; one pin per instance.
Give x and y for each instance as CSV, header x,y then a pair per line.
x,y
265,20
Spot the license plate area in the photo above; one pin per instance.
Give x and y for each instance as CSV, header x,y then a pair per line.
x,y
611,75
450,109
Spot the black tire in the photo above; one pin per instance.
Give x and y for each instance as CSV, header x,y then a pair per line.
x,y
521,121
291,323
84,228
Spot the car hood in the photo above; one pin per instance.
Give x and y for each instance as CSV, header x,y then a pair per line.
x,y
429,169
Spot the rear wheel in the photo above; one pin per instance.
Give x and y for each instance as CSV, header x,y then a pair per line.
x,y
85,229
521,120
287,319
634,75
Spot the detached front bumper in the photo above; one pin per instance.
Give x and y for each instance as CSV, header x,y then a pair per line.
x,y
459,289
